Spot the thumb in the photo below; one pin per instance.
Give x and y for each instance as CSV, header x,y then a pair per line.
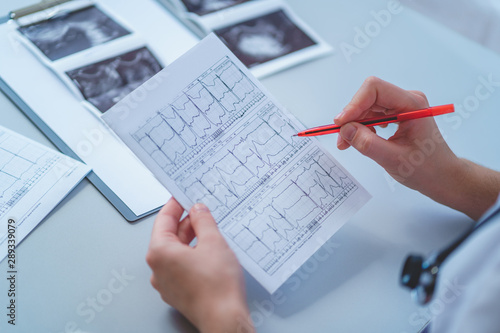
x,y
370,144
203,223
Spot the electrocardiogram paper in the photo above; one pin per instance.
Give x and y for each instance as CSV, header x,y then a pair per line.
x,y
211,133
33,180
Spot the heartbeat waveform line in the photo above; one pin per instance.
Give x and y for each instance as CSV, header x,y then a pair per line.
x,y
277,221
217,177
212,106
267,138
321,177
238,149
13,179
227,87
225,72
283,230
268,190
155,146
307,206
233,164
25,164
17,155
292,221
192,116
197,116
4,183
211,194
30,166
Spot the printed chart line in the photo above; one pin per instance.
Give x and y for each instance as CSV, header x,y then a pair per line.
x,y
225,144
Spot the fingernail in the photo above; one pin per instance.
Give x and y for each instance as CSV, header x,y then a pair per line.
x,y
347,108
339,141
340,115
200,208
348,132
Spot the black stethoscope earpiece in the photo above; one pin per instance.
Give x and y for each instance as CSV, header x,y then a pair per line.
x,y
411,271
420,275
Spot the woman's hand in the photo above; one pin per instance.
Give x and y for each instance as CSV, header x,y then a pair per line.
x,y
205,283
416,155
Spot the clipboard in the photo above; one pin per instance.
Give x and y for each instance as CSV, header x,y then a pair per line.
x,y
115,200
126,203
166,37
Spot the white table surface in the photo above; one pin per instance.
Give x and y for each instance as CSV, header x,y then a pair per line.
x,y
73,256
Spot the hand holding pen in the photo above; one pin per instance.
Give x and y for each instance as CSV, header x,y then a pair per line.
x,y
416,155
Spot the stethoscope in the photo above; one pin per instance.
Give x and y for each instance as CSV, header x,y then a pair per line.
x,y
420,275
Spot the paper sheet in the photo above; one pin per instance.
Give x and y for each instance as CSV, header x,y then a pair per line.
x,y
33,180
84,133
211,133
266,36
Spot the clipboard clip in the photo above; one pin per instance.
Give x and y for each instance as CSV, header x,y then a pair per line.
x,y
38,7
47,10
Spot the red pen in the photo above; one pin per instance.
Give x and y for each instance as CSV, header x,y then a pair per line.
x,y
387,119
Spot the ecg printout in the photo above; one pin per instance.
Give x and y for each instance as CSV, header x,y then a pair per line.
x,y
33,180
211,133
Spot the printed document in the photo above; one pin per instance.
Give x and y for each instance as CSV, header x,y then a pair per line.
x,y
33,180
211,133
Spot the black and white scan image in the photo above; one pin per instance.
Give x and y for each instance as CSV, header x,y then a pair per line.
x,y
264,38
105,83
73,32
203,7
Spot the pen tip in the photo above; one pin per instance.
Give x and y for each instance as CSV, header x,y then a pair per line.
x,y
295,135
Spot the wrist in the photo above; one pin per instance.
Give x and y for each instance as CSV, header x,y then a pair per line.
x,y
467,187
226,316
480,189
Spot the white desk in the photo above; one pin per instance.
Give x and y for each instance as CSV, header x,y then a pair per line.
x,y
75,254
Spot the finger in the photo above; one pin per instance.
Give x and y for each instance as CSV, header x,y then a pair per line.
x,y
167,223
203,223
379,94
343,145
420,95
374,111
186,232
371,145
153,281
378,109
